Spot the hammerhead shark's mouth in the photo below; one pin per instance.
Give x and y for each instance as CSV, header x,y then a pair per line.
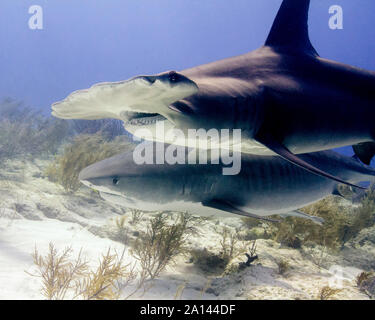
x,y
143,119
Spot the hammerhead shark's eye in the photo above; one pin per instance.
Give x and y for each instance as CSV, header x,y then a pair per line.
x,y
115,181
173,76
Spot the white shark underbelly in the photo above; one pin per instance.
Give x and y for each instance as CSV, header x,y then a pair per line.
x,y
170,135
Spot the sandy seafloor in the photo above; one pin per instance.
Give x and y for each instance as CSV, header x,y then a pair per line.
x,y
35,212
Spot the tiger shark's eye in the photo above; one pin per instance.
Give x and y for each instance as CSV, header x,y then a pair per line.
x,y
173,76
115,181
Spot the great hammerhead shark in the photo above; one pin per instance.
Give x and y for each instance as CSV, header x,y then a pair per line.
x,y
284,97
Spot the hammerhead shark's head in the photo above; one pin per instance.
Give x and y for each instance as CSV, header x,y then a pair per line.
x,y
266,185
284,97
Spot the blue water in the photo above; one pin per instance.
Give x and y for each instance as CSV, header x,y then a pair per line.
x,y
88,41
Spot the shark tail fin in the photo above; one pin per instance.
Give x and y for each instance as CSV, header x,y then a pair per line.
x,y
364,151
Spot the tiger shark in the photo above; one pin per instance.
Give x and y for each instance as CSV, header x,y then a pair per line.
x,y
265,186
284,97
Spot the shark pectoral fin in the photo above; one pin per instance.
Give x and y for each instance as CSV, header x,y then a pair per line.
x,y
290,29
228,207
299,214
283,152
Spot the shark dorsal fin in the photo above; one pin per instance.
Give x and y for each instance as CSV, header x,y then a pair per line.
x,y
290,29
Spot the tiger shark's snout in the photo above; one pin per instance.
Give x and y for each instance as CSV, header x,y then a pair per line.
x,y
88,173
102,184
88,178
111,174
84,177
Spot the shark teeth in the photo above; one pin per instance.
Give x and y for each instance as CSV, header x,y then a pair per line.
x,y
145,120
